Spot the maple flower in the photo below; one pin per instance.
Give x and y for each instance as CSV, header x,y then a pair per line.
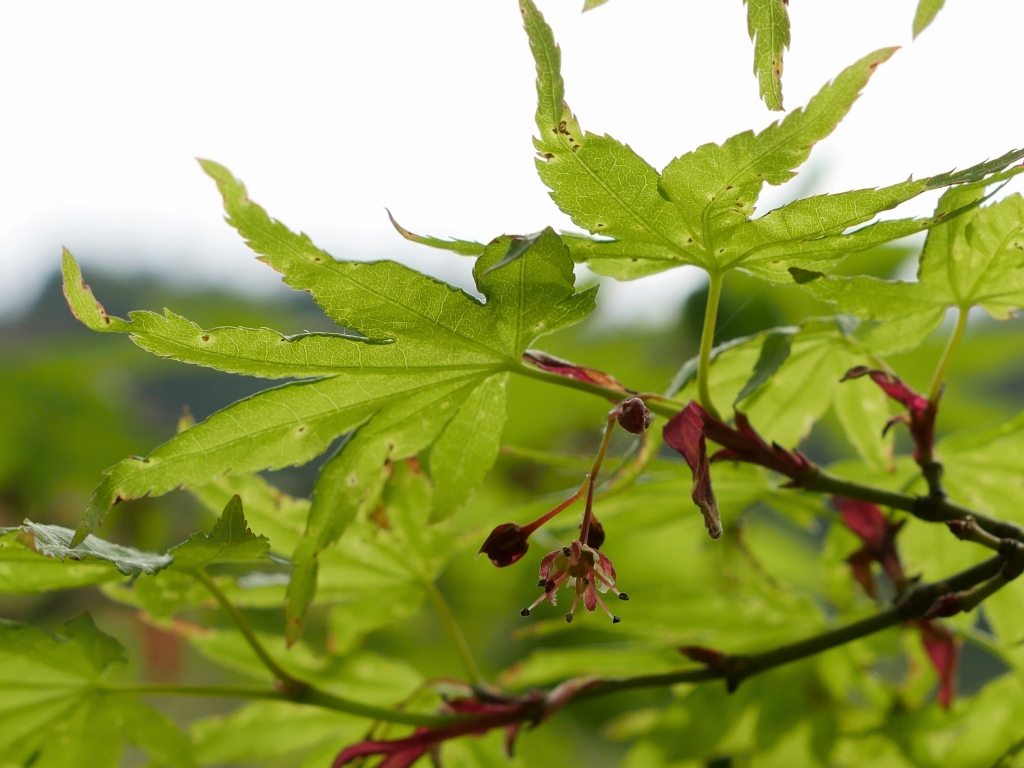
x,y
586,571
920,415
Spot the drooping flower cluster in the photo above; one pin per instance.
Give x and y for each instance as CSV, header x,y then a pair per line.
x,y
580,567
585,571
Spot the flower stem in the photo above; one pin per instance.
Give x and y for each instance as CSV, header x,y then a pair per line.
x,y
707,341
455,631
591,481
290,687
954,341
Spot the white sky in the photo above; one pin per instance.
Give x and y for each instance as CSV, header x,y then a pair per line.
x,y
330,111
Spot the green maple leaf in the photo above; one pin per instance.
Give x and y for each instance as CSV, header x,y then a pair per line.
x,y
975,259
424,370
59,709
699,209
768,27
925,14
35,557
230,540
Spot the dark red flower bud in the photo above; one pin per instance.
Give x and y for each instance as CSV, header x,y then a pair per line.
x,y
634,416
506,544
595,534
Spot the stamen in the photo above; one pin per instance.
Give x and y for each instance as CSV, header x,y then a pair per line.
x,y
525,612
615,619
610,585
568,618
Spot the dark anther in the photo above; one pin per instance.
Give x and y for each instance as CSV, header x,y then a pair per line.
x,y
568,618
616,619
566,551
542,583
524,612
623,596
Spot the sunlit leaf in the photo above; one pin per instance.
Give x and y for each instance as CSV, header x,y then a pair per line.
x,y
37,558
925,14
58,710
975,259
768,27
229,541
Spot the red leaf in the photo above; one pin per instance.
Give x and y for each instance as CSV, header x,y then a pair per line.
x,y
943,651
879,536
685,433
556,365
921,411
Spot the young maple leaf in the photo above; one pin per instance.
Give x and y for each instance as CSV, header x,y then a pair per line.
x,y
418,365
768,27
975,259
699,209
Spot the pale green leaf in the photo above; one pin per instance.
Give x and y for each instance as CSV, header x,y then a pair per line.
x,y
462,247
698,210
267,731
39,558
925,14
56,709
802,387
984,468
715,186
420,349
863,410
976,258
768,27
774,350
229,541
605,186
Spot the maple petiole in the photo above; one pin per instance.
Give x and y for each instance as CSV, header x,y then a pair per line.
x,y
707,340
280,674
947,354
